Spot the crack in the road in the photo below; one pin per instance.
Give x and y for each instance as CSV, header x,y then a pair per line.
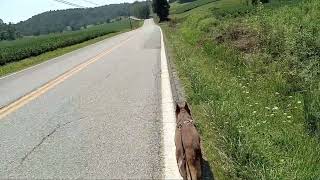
x,y
108,75
35,147
145,109
46,137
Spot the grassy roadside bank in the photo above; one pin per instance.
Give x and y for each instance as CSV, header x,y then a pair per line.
x,y
31,61
177,8
251,76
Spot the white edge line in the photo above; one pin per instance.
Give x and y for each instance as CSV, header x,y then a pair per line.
x,y
168,119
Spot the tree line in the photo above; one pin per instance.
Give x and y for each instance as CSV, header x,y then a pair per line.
x,y
75,19
72,19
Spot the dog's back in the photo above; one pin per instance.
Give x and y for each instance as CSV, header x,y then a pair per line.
x,y
188,149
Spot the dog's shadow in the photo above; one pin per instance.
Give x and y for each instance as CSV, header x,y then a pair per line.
x,y
207,174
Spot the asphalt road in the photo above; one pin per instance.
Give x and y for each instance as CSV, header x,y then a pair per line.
x,y
102,122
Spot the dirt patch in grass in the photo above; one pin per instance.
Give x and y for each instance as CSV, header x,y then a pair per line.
x,y
241,38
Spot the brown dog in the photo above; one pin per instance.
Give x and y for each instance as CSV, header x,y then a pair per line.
x,y
187,140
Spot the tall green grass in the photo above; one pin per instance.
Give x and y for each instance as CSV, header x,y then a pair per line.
x,y
177,8
252,77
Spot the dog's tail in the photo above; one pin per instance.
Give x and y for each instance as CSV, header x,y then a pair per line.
x,y
193,163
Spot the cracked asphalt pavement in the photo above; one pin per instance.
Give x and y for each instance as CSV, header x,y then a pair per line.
x,y
103,122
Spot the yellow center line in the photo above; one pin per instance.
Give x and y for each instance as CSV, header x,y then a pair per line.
x,y
6,110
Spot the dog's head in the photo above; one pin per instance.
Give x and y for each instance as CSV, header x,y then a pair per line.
x,y
182,109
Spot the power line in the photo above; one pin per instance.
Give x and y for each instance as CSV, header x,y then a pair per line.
x,y
69,3
91,2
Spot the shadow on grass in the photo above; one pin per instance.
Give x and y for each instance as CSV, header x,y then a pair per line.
x,y
207,174
185,1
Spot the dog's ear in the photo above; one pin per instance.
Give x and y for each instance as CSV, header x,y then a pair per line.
x,y
177,109
186,107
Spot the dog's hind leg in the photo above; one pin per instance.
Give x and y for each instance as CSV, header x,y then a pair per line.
x,y
182,168
180,155
193,164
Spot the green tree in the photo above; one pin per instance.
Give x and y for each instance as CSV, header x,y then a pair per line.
x,y
161,7
8,32
11,32
140,10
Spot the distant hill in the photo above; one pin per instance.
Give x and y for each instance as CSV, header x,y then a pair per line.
x,y
75,19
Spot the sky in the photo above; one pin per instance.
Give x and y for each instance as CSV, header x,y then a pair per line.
x,y
19,10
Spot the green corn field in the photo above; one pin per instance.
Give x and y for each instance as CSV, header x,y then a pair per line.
x,y
11,51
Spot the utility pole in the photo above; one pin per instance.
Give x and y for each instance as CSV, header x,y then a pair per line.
x,y
129,16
